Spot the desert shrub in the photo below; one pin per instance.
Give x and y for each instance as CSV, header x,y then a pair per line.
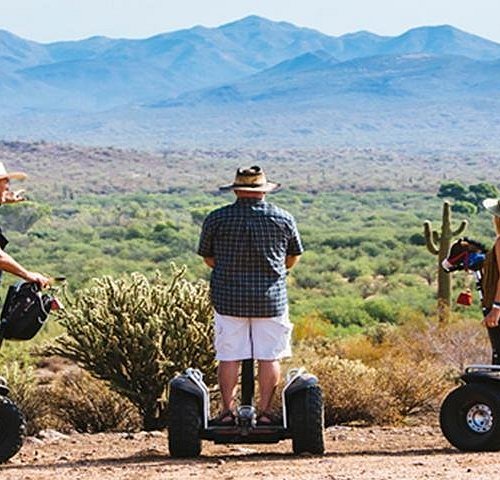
x,y
381,310
415,387
77,401
451,346
369,285
310,326
27,394
417,239
388,267
22,217
346,311
392,371
137,334
466,208
356,268
352,390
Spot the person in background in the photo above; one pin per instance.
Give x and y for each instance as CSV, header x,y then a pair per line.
x,y
250,244
7,263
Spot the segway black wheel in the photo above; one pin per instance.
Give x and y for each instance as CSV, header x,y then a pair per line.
x,y
12,429
306,418
184,424
470,417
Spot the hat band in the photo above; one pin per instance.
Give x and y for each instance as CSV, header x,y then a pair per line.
x,y
246,185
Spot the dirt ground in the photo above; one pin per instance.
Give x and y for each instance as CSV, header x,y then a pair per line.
x,y
351,453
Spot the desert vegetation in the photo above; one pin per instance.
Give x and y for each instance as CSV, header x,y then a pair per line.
x,y
363,299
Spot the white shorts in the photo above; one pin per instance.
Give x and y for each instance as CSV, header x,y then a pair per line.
x,y
261,338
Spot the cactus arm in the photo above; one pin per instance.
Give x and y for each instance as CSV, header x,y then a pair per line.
x,y
430,238
436,238
461,228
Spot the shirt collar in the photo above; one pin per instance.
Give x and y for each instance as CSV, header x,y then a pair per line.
x,y
250,201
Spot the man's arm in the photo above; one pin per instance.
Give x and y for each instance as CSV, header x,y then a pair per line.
x,y
210,261
291,261
8,264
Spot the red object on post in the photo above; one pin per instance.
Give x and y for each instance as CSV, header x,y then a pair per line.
x,y
465,298
55,304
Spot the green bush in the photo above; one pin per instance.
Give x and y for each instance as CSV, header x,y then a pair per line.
x,y
381,310
466,208
346,311
137,334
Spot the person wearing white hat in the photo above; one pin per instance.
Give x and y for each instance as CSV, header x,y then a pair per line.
x,y
7,263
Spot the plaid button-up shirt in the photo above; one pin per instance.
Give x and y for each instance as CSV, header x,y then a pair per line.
x,y
249,240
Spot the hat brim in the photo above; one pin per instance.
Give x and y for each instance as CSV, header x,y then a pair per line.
x,y
492,205
268,187
14,176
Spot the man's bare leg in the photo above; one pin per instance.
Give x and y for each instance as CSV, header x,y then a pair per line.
x,y
227,374
269,378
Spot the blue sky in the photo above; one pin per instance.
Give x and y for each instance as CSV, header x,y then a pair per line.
x,y
50,20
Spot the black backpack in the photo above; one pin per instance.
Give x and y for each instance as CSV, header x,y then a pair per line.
x,y
24,312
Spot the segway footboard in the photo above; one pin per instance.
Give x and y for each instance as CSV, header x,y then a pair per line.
x,y
470,414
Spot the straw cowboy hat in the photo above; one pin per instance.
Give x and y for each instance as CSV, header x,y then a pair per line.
x,y
11,175
493,205
251,179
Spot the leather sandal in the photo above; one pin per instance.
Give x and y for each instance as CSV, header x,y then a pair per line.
x,y
224,419
268,419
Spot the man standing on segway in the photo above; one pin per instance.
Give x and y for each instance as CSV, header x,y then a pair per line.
x,y
7,263
250,245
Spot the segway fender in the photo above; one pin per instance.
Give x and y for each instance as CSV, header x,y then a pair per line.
x,y
482,374
302,382
477,377
184,383
4,389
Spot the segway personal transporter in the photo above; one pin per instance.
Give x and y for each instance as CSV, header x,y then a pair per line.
x,y
470,414
24,312
189,414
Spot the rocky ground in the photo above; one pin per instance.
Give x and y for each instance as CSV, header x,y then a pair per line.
x,y
351,453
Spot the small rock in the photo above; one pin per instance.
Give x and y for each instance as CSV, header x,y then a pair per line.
x,y
152,434
244,450
51,435
33,441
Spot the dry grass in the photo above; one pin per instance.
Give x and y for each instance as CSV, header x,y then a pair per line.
x,y
392,373
82,403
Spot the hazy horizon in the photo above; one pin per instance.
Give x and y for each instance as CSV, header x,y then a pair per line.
x,y
58,20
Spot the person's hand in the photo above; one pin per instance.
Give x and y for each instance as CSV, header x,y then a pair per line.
x,y
491,320
13,197
38,278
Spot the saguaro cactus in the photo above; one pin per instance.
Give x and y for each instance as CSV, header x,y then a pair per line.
x,y
438,243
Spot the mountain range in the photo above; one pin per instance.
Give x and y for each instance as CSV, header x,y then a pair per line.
x,y
254,82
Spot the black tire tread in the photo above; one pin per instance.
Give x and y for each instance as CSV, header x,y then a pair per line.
x,y
458,434
13,424
184,425
306,418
